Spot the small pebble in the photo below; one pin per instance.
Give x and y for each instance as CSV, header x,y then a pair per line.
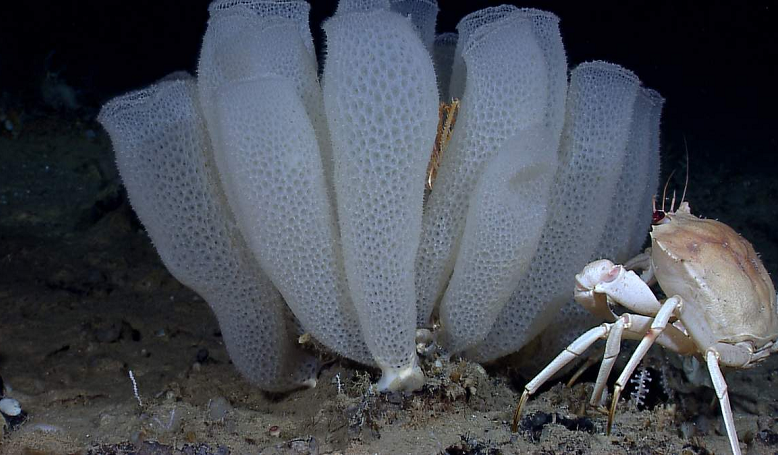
x,y
44,428
394,398
702,424
688,430
218,408
10,407
275,431
109,334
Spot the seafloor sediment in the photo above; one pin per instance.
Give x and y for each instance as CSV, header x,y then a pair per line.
x,y
84,299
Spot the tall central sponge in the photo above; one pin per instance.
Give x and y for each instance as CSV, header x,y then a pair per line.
x,y
515,79
505,218
380,97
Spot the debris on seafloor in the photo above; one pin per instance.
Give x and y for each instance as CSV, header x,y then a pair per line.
x,y
470,445
534,423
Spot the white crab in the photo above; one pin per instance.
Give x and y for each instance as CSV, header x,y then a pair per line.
x,y
722,306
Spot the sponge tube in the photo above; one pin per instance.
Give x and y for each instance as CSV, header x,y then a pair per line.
x,y
592,153
270,151
465,28
382,107
244,40
652,102
504,222
423,15
630,216
165,161
512,83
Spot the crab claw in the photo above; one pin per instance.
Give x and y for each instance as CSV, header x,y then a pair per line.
x,y
602,282
586,283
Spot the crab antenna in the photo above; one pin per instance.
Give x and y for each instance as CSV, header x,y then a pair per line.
x,y
686,183
672,203
664,191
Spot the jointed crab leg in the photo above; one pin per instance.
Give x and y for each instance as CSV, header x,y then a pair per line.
x,y
712,358
612,348
572,352
634,327
629,326
669,309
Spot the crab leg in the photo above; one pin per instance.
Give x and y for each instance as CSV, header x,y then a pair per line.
x,y
671,338
612,348
572,352
712,358
634,327
667,310
628,325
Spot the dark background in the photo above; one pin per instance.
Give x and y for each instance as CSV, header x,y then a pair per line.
x,y
714,62
720,55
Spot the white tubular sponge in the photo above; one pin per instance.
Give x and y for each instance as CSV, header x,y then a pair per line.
x,y
465,28
361,6
629,207
165,161
628,224
423,15
545,26
504,222
270,150
599,111
652,103
509,87
296,11
243,41
382,108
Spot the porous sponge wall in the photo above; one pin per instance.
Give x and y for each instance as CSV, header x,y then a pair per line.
x,y
242,42
465,29
295,11
507,212
270,150
628,223
653,102
511,84
163,156
423,14
599,110
381,103
327,183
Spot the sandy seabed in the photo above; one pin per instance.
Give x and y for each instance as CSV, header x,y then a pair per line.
x,y
84,299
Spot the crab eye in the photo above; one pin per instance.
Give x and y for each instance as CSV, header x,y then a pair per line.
x,y
657,217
